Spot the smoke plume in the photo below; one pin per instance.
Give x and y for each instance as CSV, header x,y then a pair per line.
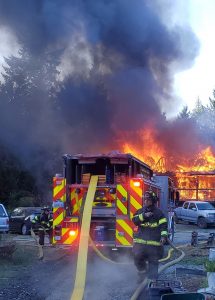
x,y
107,70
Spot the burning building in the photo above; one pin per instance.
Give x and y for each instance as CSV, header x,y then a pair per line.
x,y
193,176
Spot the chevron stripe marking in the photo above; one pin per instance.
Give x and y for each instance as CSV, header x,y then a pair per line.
x,y
66,238
122,190
121,239
126,227
60,193
133,208
135,203
59,219
121,207
137,191
136,196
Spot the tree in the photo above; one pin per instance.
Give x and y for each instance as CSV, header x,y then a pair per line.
x,y
198,109
212,102
27,116
184,113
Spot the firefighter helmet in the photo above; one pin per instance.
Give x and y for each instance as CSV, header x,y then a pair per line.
x,y
149,195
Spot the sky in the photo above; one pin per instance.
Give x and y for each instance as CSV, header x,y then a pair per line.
x,y
198,81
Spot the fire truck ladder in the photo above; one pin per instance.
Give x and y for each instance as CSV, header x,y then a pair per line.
x,y
78,291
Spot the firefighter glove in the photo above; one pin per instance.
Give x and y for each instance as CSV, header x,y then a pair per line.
x,y
148,214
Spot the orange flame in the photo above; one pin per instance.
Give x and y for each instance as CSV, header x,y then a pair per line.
x,y
189,179
150,151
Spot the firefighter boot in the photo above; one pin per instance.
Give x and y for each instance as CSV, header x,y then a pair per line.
x,y
142,273
141,276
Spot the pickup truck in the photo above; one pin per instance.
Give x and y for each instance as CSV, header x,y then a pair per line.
x,y
198,212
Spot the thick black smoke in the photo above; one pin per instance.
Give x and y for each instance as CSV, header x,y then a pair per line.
x,y
115,62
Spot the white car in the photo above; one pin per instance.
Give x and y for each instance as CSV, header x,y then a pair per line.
x,y
4,219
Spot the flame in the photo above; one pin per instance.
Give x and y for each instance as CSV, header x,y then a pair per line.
x,y
189,177
204,162
149,150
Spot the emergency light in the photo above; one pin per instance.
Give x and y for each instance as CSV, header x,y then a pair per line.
x,y
136,182
72,233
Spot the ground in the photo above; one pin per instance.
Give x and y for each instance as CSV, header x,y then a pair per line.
x,y
25,277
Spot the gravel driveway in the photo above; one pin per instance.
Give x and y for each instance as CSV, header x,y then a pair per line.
x,y
24,277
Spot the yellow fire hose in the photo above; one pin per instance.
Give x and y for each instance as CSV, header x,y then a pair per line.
x,y
78,291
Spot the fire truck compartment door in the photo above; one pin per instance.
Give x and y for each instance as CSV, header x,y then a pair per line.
x,y
121,199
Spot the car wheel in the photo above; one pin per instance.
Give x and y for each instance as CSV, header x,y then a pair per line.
x,y
176,219
202,223
24,229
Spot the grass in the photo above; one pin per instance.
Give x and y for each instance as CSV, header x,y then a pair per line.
x,y
195,260
12,267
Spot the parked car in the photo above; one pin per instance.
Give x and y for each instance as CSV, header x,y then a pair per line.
x,y
201,213
18,221
4,219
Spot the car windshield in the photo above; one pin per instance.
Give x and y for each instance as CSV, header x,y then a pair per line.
x,y
205,206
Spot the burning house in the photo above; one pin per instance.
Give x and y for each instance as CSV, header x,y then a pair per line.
x,y
193,178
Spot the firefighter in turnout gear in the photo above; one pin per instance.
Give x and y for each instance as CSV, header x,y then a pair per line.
x,y
150,237
44,222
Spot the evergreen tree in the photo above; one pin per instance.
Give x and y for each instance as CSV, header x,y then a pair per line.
x,y
184,113
27,111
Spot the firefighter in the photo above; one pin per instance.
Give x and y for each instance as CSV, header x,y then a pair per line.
x,y
150,237
44,222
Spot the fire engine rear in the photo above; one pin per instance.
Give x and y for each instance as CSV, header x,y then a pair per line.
x,y
122,182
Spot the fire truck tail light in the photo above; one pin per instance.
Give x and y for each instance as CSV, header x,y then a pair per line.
x,y
136,183
72,232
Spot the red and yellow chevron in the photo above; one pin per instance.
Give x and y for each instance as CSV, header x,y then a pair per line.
x,y
122,199
136,194
62,234
124,232
76,199
59,197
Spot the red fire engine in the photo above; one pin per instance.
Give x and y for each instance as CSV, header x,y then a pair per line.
x,y
122,181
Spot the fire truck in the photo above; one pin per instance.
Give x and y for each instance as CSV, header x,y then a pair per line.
x,y
122,181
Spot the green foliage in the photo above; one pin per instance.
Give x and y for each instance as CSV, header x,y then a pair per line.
x,y
210,265
15,181
199,108
184,113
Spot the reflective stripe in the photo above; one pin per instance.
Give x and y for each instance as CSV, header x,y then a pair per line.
x,y
163,220
152,225
153,243
140,217
164,232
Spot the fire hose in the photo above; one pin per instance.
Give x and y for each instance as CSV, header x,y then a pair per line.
x,y
161,269
78,291
40,247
